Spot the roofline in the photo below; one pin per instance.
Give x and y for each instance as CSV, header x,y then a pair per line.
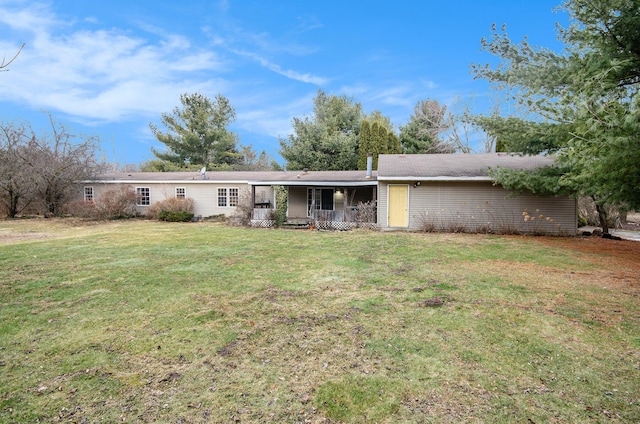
x,y
482,178
199,181
248,182
316,183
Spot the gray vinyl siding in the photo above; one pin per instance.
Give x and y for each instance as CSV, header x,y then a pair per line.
x,y
383,203
481,206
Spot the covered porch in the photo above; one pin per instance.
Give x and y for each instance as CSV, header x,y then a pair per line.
x,y
335,200
336,208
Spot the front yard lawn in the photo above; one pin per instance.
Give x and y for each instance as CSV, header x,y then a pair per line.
x,y
140,321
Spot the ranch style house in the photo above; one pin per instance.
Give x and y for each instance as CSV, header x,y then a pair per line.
x,y
434,192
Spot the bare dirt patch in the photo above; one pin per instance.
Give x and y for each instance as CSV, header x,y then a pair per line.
x,y
610,264
35,229
10,237
623,254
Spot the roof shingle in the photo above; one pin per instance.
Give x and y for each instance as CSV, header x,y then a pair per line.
x,y
390,167
271,177
455,166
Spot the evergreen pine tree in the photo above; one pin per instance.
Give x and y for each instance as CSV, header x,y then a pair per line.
x,y
364,145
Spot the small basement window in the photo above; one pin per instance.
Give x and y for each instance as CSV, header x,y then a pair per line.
x,y
181,192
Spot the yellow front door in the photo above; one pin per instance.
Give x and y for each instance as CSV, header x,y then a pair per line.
x,y
398,205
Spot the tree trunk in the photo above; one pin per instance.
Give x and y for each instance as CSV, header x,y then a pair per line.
x,y
623,216
13,210
13,206
603,216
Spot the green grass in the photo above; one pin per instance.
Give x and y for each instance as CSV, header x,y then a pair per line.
x,y
155,322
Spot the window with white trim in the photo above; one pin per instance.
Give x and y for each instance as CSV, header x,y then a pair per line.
x,y
323,199
143,196
233,197
181,192
88,194
222,197
228,197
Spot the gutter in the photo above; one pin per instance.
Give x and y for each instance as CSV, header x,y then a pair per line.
x,y
482,178
256,183
195,181
315,183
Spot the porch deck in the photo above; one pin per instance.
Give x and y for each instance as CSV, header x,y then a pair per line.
x,y
322,219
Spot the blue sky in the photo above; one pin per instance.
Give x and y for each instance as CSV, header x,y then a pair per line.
x,y
108,69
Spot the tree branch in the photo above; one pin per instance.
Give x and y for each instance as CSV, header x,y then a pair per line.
x,y
4,64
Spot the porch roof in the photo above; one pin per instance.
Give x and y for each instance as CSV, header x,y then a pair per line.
x,y
315,178
453,167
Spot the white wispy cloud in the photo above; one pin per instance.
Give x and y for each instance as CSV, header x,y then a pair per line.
x,y
305,24
274,121
288,73
101,75
19,15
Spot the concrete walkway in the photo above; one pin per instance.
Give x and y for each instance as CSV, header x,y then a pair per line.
x,y
627,235
623,234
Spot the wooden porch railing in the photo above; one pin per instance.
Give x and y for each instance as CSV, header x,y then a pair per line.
x,y
341,216
325,219
262,213
350,215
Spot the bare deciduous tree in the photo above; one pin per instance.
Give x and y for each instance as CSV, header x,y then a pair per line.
x,y
61,164
465,132
422,133
16,150
42,172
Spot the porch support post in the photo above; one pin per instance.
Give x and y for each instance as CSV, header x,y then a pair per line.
x,y
253,198
313,202
345,203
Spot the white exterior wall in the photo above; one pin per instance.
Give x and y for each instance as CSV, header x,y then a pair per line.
x,y
297,202
480,206
205,195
